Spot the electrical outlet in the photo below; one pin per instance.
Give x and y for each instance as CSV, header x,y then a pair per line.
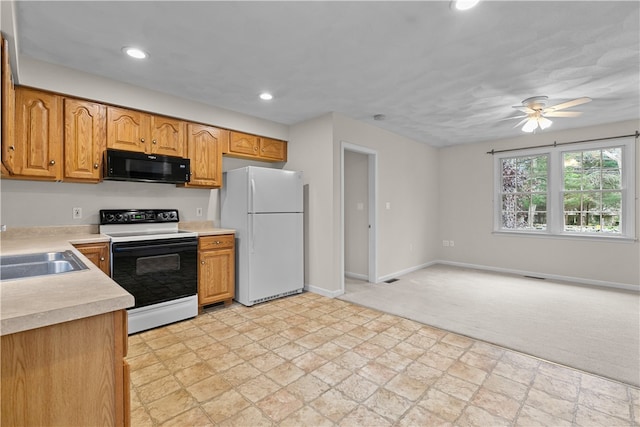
x,y
451,243
198,211
77,213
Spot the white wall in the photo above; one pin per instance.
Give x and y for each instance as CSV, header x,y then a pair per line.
x,y
44,75
466,217
38,203
356,214
408,181
310,150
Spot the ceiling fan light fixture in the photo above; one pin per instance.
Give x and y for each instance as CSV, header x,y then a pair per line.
x,y
135,52
544,123
464,4
530,126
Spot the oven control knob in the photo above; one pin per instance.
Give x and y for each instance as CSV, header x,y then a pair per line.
x,y
173,215
118,217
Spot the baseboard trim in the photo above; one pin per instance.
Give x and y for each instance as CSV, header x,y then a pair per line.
x,y
578,280
405,271
323,292
356,276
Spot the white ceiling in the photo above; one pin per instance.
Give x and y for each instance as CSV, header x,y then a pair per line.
x,y
439,76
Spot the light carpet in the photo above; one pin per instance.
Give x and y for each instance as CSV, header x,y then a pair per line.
x,y
596,330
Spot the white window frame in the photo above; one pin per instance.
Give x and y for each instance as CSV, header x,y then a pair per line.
x,y
555,202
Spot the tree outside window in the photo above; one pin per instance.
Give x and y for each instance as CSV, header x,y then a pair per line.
x,y
524,192
592,190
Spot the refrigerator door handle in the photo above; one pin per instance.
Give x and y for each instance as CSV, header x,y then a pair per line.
x,y
253,193
253,237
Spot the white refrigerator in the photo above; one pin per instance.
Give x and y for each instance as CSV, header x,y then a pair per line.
x,y
265,207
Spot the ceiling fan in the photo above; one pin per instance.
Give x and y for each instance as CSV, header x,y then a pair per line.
x,y
537,113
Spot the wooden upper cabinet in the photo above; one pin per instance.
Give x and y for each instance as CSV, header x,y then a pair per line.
x,y
204,145
37,150
242,143
85,137
126,129
254,147
8,110
132,130
167,136
273,149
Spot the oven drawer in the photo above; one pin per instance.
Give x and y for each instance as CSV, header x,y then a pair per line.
x,y
223,241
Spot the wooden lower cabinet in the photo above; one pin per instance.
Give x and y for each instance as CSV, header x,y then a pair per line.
x,y
71,373
216,269
98,253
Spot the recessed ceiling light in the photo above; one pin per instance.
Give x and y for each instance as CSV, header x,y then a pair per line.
x,y
266,96
134,52
464,4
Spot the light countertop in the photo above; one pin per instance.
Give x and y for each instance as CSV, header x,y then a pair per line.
x,y
41,301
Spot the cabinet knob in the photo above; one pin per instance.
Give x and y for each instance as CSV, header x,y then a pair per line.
x,y
52,162
101,258
96,166
217,242
141,139
154,141
12,148
202,262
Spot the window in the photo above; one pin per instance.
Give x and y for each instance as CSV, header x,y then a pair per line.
x,y
524,192
570,190
592,193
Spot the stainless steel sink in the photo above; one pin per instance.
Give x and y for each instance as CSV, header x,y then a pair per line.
x,y
38,264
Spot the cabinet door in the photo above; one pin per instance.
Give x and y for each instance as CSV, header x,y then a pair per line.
x,y
204,146
273,149
38,137
216,274
8,110
85,136
98,253
242,143
127,129
167,136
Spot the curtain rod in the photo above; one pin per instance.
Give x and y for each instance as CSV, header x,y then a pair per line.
x,y
555,144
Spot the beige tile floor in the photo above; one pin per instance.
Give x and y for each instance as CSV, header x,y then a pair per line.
x,y
307,360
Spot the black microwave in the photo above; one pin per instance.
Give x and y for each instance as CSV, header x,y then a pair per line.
x,y
129,166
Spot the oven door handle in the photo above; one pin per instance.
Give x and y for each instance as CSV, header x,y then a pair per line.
x,y
117,248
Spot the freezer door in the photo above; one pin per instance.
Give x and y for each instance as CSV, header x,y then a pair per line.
x,y
275,190
275,254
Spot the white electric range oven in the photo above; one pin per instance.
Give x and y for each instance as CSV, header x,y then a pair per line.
x,y
155,262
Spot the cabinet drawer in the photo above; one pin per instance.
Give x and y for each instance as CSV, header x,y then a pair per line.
x,y
216,242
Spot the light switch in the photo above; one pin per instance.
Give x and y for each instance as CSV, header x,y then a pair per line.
x,y
388,205
360,206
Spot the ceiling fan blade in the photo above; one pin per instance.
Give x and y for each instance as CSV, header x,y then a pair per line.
x,y
523,109
568,104
562,114
514,117
521,122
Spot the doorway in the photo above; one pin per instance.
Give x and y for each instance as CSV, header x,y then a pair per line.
x,y
358,213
